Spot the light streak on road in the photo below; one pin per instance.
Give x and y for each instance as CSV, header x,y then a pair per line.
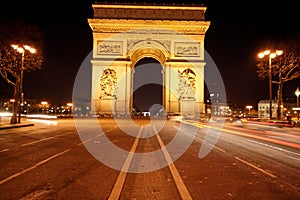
x,y
276,141
284,134
43,121
253,141
277,148
41,116
265,132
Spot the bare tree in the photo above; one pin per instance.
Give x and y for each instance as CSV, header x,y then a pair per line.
x,y
16,32
285,67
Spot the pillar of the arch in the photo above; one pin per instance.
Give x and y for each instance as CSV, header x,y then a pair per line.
x,y
119,104
171,94
175,104
97,69
122,105
199,94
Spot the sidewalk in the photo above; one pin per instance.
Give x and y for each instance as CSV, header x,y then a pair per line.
x,y
5,123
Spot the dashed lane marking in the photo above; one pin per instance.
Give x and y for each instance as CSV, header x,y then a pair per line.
x,y
32,167
255,167
42,162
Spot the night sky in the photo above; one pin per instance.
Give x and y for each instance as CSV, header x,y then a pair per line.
x,y
233,39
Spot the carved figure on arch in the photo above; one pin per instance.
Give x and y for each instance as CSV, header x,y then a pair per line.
x,y
108,84
187,84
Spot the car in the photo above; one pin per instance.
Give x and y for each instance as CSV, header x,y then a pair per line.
x,y
238,121
175,117
284,123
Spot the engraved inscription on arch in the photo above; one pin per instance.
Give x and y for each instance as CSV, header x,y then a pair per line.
x,y
189,49
109,47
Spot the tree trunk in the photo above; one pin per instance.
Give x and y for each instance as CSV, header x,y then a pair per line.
x,y
279,101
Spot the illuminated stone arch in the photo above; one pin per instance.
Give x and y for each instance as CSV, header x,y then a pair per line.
x,y
173,35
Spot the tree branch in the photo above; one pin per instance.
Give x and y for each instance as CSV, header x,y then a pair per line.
x,y
4,75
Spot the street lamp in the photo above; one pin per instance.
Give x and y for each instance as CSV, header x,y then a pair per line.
x,y
271,55
70,105
44,106
249,108
22,51
297,93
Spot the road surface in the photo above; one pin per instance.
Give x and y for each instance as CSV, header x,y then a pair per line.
x,y
54,159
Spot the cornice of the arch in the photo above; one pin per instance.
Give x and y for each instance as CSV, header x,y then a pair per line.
x,y
149,26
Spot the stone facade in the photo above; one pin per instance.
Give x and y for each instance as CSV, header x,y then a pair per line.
x,y
263,109
124,34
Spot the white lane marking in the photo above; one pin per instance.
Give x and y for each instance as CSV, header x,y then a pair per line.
x,y
37,141
4,150
291,157
116,191
255,167
214,146
42,162
197,137
250,164
32,167
222,150
274,147
44,139
83,142
184,193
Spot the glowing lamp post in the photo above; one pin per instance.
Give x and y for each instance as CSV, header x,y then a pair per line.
x,y
70,105
44,104
297,93
22,51
271,56
249,108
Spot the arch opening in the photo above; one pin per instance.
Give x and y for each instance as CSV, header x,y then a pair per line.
x,y
147,86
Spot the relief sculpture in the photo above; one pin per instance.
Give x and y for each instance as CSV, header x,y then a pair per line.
x,y
108,84
187,84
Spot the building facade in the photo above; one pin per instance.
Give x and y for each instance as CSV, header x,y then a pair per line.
x,y
263,109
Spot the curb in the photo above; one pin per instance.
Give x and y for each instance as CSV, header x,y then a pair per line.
x,y
14,126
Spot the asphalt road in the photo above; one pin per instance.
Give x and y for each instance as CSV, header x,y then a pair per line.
x,y
121,159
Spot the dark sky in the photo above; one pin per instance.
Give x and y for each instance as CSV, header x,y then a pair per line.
x,y
233,39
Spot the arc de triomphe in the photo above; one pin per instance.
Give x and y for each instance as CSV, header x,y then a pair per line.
x,y
172,35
